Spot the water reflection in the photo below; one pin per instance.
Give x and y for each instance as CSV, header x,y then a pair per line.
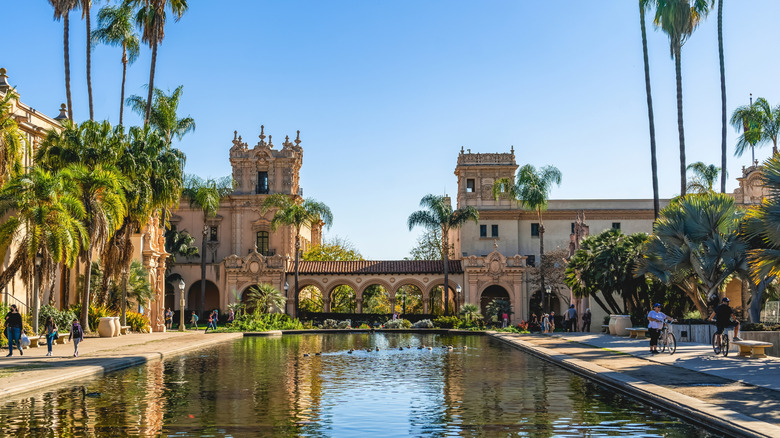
x,y
267,386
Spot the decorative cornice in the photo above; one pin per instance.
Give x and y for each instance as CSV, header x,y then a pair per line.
x,y
591,214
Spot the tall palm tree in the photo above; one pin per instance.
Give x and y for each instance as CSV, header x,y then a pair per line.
x,y
12,141
439,215
62,10
770,122
532,190
44,217
86,6
151,19
115,28
163,115
644,5
749,119
704,177
293,211
678,19
722,97
206,195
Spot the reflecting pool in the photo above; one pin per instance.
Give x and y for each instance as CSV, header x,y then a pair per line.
x,y
283,387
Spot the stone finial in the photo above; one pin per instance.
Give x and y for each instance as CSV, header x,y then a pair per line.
x,y
4,86
461,149
512,149
286,141
270,141
262,133
298,138
235,135
63,113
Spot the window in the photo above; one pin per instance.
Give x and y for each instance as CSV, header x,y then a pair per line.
x,y
262,183
483,231
572,227
470,185
494,230
615,225
213,237
262,242
530,260
535,229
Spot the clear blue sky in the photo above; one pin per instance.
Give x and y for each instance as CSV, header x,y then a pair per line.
x,y
386,93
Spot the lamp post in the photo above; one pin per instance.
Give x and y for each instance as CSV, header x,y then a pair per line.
x,y
458,290
181,305
36,286
547,289
286,288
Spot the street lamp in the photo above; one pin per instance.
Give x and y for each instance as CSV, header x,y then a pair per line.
x,y
286,296
181,305
544,301
458,290
36,286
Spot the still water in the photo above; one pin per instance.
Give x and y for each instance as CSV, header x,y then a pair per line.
x,y
267,387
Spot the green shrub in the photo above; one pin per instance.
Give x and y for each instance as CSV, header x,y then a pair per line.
x,y
63,318
138,323
95,313
398,323
694,314
364,326
423,323
450,322
264,322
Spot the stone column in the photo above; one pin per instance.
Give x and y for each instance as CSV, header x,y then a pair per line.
x,y
359,305
325,305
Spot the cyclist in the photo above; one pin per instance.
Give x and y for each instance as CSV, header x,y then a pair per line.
x,y
724,318
656,320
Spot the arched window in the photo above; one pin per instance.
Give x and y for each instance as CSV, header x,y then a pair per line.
x,y
262,242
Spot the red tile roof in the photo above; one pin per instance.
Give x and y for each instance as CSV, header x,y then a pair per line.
x,y
379,267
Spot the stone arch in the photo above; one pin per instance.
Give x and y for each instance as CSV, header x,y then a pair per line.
x,y
212,297
381,301
414,282
493,291
412,302
431,297
343,304
372,281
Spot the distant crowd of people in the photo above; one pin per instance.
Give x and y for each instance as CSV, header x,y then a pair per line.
x,y
547,322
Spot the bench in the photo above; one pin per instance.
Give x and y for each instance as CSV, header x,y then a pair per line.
x,y
125,329
752,349
637,332
605,328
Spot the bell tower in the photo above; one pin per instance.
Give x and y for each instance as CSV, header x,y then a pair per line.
x,y
476,174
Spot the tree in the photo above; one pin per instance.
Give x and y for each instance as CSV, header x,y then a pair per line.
x,y
748,118
62,10
429,246
12,141
115,28
723,148
704,177
470,312
439,215
206,196
335,249
643,6
291,210
551,268
695,246
44,216
498,307
770,123
86,6
181,244
263,298
151,19
532,191
678,19
163,113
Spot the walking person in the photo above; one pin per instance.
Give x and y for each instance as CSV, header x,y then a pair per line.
x,y
545,323
168,318
77,335
231,316
571,315
656,320
194,321
505,319
50,330
13,327
586,317
211,324
552,321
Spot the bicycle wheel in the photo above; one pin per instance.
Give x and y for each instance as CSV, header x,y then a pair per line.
x,y
670,343
662,343
715,344
725,345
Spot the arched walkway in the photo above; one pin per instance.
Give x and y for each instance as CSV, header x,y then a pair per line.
x,y
212,297
310,299
343,299
409,299
436,301
494,292
376,299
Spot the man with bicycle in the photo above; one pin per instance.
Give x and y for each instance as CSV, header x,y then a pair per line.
x,y
656,320
724,318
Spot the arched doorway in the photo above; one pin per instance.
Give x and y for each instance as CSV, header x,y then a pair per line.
x,y
376,299
170,296
494,292
343,299
212,297
409,299
436,303
310,299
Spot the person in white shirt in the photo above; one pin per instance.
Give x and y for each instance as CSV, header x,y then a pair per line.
x,y
656,320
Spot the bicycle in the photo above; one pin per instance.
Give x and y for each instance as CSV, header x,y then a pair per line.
x,y
723,346
667,340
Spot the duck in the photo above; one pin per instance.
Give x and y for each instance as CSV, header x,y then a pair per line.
x,y
305,354
400,348
430,348
377,348
450,347
465,347
350,351
318,353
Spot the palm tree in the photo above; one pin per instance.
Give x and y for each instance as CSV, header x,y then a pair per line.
x,y
115,28
62,10
748,118
643,6
704,177
532,191
206,195
263,298
44,218
86,6
151,19
678,19
770,122
695,246
12,141
439,215
295,212
722,97
470,312
163,115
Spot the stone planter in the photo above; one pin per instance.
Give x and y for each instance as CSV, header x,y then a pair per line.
x,y
612,319
117,328
106,327
622,324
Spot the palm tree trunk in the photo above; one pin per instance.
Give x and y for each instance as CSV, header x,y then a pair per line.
x,y
8,274
85,292
446,257
202,306
297,255
722,98
650,118
678,77
89,58
151,84
124,77
66,50
541,261
124,297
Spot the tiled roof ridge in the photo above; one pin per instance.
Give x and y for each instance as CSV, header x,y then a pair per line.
x,y
378,267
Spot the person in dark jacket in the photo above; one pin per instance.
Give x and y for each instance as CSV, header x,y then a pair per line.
x,y
13,327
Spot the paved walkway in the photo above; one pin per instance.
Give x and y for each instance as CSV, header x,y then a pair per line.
x,y
35,371
739,393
